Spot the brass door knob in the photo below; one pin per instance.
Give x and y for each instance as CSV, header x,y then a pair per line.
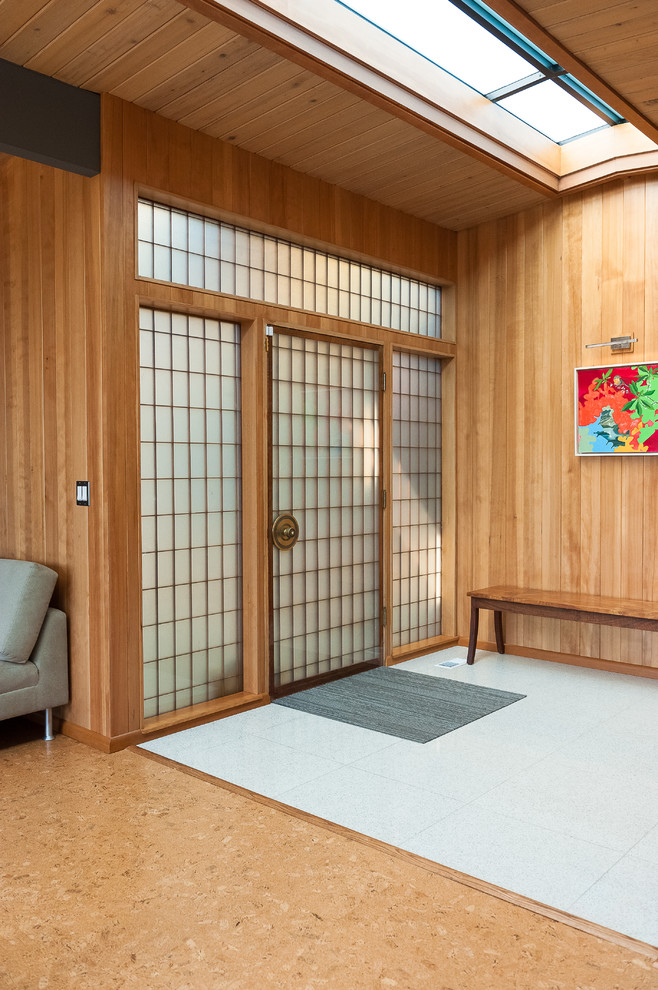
x,y
285,531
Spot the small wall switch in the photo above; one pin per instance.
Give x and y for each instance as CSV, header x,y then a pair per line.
x,y
82,492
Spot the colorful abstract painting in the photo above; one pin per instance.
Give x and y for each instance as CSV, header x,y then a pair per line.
x,y
617,409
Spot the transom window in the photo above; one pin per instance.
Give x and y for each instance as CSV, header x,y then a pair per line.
x,y
188,249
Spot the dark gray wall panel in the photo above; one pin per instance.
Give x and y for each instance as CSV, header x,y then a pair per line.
x,y
49,121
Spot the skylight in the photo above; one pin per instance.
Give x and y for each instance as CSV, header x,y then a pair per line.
x,y
551,110
467,39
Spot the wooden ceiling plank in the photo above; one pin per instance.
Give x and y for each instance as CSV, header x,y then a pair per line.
x,y
584,31
200,73
623,55
645,91
488,203
246,97
408,162
360,121
304,113
183,27
94,24
249,67
375,140
421,197
51,20
14,14
157,80
277,114
407,182
327,114
353,155
243,122
565,10
426,152
147,18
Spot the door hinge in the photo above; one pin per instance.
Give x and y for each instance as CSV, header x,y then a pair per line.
x,y
383,381
383,498
384,616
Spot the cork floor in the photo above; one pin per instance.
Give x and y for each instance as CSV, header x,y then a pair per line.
x,y
554,797
119,871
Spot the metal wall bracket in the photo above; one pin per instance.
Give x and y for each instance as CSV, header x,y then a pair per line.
x,y
617,343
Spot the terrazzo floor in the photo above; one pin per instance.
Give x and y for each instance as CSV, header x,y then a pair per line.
x,y
554,797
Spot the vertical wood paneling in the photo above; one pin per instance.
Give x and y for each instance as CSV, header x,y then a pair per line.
x,y
572,273
513,346
49,273
570,488
634,473
586,275
551,441
650,560
533,386
610,528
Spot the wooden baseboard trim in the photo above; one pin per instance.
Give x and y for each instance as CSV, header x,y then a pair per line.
x,y
106,744
554,914
573,659
422,648
163,726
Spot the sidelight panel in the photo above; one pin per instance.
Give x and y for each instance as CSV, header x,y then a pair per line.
x,y
416,498
191,510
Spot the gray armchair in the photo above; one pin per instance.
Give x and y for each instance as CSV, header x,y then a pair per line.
x,y
33,643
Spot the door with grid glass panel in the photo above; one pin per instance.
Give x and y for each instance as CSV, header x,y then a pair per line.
x,y
325,500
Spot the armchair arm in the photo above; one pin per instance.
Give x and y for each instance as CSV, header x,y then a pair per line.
x,y
50,657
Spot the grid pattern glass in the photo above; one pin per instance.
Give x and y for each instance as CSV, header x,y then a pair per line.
x,y
325,465
188,249
416,498
191,515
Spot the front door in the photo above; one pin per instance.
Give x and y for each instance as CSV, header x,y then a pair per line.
x,y
325,481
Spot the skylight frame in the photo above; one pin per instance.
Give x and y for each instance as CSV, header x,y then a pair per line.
x,y
546,68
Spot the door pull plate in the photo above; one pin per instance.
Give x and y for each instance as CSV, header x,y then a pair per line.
x,y
285,531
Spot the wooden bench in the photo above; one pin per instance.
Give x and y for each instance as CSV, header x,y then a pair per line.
x,y
557,605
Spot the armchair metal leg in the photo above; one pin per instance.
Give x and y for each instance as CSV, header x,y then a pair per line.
x,y
49,734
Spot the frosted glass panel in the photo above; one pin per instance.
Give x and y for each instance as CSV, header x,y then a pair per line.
x,y
191,521
326,472
177,246
416,498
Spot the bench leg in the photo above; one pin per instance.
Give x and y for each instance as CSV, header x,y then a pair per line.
x,y
498,626
473,635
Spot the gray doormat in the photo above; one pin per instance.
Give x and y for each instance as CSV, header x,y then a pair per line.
x,y
401,703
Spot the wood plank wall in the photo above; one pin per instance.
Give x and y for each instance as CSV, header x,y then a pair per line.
x,y
533,290
68,388
50,426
